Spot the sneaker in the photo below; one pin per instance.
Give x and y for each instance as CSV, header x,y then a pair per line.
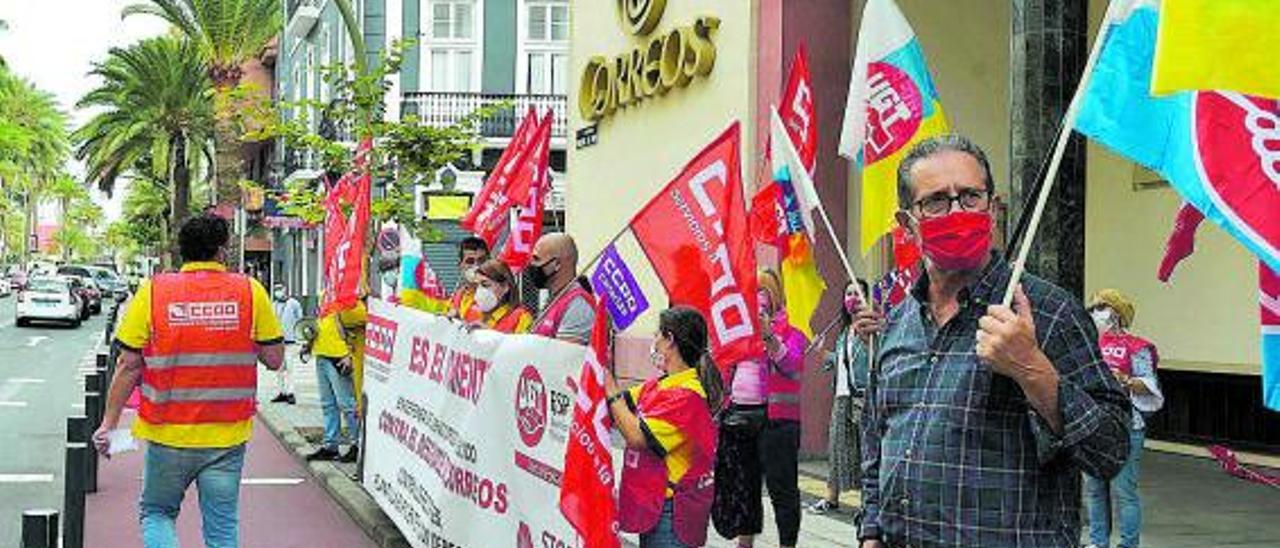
x,y
323,454
289,399
823,506
351,455
281,398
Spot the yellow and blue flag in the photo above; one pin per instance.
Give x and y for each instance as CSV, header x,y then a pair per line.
x,y
802,285
892,105
1217,149
1218,44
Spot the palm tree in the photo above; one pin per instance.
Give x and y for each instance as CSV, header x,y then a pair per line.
x,y
33,132
155,124
229,34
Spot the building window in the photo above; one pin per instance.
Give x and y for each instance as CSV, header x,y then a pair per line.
x,y
544,56
548,20
547,73
452,19
452,49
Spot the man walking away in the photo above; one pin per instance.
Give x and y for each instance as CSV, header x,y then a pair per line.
x,y
289,311
192,340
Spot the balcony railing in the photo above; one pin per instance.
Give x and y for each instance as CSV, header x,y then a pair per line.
x,y
447,108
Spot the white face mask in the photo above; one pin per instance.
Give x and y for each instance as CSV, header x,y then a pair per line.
x,y
486,300
469,274
655,357
1103,319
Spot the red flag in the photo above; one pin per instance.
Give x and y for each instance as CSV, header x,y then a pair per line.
x,y
344,233
490,206
695,234
1182,241
905,251
535,181
587,488
767,223
797,111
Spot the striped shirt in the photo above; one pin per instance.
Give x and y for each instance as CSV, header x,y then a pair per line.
x,y
954,455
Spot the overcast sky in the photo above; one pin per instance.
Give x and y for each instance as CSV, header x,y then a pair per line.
x,y
53,43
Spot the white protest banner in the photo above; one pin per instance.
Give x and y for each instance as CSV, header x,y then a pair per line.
x,y
467,431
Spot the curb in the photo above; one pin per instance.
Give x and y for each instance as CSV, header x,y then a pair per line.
x,y
342,489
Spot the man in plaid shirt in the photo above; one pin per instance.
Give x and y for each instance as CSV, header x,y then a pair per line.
x,y
980,417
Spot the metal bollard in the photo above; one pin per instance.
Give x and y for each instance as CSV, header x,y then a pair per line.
x,y
40,528
73,495
93,410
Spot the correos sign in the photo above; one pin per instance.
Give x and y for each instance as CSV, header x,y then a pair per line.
x,y
660,62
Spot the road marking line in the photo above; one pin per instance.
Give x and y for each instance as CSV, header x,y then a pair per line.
x,y
13,404
271,481
77,406
26,478
25,380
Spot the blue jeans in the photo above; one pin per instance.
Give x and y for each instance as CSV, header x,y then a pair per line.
x,y
1128,506
338,402
167,474
664,534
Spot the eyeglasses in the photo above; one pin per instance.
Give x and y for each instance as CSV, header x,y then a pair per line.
x,y
939,204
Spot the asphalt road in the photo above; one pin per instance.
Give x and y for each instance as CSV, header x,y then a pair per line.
x,y
39,384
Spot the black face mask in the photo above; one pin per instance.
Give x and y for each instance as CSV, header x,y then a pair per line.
x,y
537,275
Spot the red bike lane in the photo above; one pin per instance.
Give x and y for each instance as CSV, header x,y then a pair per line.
x,y
276,510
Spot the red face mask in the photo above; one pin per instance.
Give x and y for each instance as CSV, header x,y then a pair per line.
x,y
959,240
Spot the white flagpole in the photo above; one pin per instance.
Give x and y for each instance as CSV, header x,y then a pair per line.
x,y
1064,136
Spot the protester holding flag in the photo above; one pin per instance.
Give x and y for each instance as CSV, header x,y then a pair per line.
x,y
850,360
497,300
765,447
336,350
670,436
981,416
471,252
1133,361
553,266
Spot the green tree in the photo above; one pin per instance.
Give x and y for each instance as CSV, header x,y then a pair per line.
x,y
34,133
229,34
155,122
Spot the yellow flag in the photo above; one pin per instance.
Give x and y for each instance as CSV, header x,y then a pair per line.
x,y
801,283
1218,45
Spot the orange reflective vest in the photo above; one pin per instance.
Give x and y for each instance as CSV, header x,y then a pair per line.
x,y
200,366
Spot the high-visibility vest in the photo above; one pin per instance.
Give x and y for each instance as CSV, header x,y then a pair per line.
x,y
200,366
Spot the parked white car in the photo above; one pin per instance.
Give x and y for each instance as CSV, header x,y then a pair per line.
x,y
47,299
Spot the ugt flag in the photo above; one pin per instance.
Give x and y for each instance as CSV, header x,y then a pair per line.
x,y
587,489
488,211
1219,149
1218,44
344,233
529,188
892,105
1269,296
801,283
694,233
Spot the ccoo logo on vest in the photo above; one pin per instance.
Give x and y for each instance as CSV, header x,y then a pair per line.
x,y
220,316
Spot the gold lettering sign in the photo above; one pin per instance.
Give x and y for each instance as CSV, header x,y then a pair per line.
x,y
661,63
641,16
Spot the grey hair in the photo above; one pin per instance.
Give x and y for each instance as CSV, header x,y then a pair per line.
x,y
933,145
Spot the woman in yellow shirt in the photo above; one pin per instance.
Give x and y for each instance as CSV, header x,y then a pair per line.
x,y
498,301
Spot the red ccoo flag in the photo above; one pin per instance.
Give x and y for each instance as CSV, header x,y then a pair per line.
x,y
587,489
798,113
